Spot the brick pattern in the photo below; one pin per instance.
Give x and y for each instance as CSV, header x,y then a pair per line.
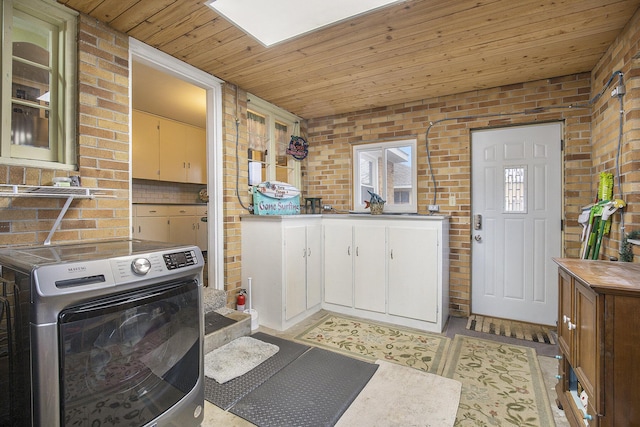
x,y
234,106
328,169
103,152
623,55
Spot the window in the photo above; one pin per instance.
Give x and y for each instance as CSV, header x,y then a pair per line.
x,y
269,130
515,189
389,170
38,84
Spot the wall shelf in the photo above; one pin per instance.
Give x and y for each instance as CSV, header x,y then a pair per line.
x,y
70,193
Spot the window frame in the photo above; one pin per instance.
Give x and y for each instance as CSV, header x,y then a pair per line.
x,y
273,115
362,150
63,85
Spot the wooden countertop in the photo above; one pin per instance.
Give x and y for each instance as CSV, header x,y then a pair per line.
x,y
604,276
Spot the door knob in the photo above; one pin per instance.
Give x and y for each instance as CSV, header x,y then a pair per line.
x,y
478,238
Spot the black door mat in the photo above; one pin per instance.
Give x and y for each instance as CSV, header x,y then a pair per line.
x,y
225,395
314,390
214,321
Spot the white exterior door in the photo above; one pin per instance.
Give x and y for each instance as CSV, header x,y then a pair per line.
x,y
516,228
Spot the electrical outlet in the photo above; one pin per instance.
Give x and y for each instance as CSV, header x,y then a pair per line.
x,y
434,208
618,90
452,199
326,207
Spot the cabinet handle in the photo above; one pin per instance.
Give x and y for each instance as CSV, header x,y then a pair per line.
x,y
391,253
349,250
309,251
588,417
304,252
571,326
558,377
558,356
357,250
565,319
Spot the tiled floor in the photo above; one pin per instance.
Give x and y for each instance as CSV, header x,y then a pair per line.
x,y
215,416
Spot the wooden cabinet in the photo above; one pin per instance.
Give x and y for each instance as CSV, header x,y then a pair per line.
x,y
186,225
598,335
151,222
145,148
391,270
167,150
283,257
180,224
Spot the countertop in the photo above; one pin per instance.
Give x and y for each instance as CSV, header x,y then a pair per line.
x,y
604,276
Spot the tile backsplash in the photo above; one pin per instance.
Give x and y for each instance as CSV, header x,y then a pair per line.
x,y
145,191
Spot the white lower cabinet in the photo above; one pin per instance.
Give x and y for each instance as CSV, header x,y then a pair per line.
x,y
386,269
180,224
283,257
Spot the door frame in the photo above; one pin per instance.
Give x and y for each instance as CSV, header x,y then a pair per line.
x,y
562,124
153,57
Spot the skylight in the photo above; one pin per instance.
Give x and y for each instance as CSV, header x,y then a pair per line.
x,y
274,21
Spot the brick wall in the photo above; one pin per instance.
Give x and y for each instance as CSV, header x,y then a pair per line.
x,y
623,55
328,169
103,150
234,107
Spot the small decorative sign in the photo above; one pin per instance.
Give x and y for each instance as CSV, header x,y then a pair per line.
x,y
276,198
298,147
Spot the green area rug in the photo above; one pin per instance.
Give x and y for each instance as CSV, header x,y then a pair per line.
x,y
373,341
502,384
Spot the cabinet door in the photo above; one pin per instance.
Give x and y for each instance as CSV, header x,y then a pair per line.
x,y
338,264
413,273
565,314
314,265
586,345
196,155
202,233
152,228
295,250
172,151
369,268
145,148
182,230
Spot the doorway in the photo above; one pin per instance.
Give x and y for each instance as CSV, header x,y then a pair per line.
x,y
516,222
150,57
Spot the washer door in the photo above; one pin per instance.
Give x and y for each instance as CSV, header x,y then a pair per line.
x,y
129,358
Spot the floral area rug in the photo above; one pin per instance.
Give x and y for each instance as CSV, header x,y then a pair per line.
x,y
502,384
373,341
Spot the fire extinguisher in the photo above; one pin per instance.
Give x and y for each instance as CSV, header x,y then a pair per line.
x,y
240,301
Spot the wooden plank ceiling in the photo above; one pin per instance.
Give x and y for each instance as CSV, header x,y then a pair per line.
x,y
412,50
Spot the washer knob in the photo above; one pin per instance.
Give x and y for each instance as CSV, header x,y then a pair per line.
x,y
141,266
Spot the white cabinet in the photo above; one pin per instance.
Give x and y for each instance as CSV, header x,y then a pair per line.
x,y
283,257
167,150
186,225
338,263
354,265
413,273
391,269
151,222
180,224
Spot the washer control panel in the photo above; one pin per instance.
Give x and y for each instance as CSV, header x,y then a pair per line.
x,y
180,259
